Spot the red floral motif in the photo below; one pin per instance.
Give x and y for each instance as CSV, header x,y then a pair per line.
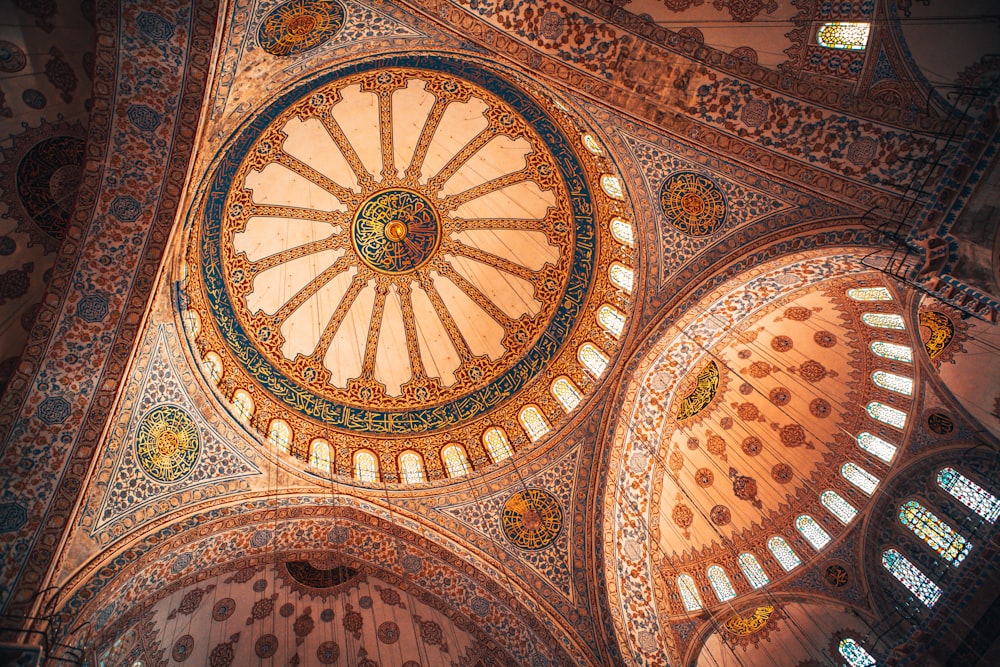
x,y
745,488
716,445
746,10
353,622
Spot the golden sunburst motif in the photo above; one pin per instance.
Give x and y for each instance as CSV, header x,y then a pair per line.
x,y
167,443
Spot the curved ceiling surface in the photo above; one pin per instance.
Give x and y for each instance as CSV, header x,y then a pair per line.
x,y
402,246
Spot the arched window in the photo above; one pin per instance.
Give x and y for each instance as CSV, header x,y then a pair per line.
x,y
852,36
859,477
892,382
886,414
970,494
192,323
612,320
497,444
212,366
365,466
595,361
883,321
319,454
533,422
840,508
938,535
411,467
622,276
812,531
907,574
720,583
279,434
869,294
612,186
566,393
689,592
455,460
242,405
876,446
783,553
855,656
893,351
622,231
752,570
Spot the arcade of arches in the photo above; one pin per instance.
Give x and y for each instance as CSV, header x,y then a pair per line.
x,y
448,332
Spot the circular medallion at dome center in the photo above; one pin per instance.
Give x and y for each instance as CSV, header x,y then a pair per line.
x,y
395,231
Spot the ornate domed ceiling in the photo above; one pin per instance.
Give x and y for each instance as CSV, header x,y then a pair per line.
x,y
412,250
752,435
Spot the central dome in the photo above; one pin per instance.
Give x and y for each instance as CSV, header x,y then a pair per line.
x,y
402,245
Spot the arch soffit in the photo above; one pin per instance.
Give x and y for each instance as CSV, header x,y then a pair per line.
x,y
221,535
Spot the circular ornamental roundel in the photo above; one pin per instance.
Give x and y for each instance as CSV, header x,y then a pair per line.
x,y
692,203
167,443
531,519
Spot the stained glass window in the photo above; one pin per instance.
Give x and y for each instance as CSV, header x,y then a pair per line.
x,y
869,294
566,393
591,144
622,231
886,414
970,494
319,454
455,460
192,323
883,321
612,186
783,553
812,531
877,446
859,477
612,320
854,654
908,575
844,35
840,508
365,466
242,405
497,444
689,592
279,434
622,276
595,361
892,382
892,351
752,570
212,365
533,422
720,583
411,467
938,535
